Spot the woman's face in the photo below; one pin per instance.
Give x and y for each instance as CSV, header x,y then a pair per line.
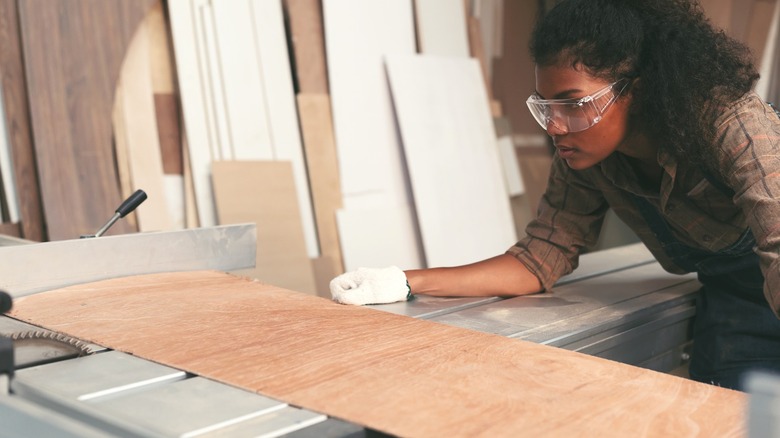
x,y
583,149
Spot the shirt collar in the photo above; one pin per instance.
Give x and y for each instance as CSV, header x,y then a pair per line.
x,y
618,170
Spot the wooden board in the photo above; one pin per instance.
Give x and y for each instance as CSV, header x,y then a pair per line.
x,y
452,154
136,111
72,66
392,373
17,121
441,28
323,170
308,43
263,192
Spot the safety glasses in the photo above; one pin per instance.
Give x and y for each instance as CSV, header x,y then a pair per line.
x,y
574,115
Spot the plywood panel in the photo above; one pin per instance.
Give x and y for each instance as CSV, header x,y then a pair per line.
x,y
441,28
395,374
263,192
73,50
17,121
452,154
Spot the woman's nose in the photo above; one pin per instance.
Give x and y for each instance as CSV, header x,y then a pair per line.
x,y
554,129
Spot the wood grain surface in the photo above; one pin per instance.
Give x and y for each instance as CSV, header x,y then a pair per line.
x,y
73,50
396,374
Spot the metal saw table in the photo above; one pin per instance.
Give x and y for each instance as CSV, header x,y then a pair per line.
x,y
619,304
58,391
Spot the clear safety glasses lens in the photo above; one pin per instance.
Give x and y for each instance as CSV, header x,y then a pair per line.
x,y
574,115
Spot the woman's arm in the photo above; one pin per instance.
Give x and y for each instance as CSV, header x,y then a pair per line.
x,y
502,275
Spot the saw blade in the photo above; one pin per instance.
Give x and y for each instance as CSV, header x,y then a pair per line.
x,y
37,347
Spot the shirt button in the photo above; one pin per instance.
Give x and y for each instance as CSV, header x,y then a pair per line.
x,y
706,238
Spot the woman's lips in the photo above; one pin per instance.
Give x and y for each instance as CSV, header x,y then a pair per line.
x,y
565,152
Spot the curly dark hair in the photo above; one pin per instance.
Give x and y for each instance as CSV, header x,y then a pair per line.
x,y
689,71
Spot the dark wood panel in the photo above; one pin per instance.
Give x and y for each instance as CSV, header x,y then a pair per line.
x,y
17,122
73,53
392,373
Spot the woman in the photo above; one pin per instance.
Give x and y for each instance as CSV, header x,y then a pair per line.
x,y
652,114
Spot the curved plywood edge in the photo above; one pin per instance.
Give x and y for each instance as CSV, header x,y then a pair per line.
x,y
136,133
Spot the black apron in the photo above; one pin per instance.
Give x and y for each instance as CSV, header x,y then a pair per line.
x,y
735,329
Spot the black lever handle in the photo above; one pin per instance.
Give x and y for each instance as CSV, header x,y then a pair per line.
x,y
5,302
131,203
127,206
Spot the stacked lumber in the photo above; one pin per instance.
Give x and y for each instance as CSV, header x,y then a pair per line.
x,y
352,132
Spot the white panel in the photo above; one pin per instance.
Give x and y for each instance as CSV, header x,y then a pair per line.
x,y
184,16
771,52
364,235
237,94
242,82
441,27
450,146
213,82
274,61
510,166
358,34
174,191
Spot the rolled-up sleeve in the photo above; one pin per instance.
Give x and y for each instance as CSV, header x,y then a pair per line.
x,y
750,139
569,219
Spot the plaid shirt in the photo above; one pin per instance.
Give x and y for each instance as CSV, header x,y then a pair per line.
x,y
700,214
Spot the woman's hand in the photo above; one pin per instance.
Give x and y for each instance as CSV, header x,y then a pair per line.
x,y
370,286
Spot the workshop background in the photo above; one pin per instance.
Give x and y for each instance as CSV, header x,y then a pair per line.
x,y
352,132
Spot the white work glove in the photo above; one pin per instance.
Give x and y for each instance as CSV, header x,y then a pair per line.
x,y
370,286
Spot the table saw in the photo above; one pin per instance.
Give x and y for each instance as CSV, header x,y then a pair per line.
x,y
619,305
